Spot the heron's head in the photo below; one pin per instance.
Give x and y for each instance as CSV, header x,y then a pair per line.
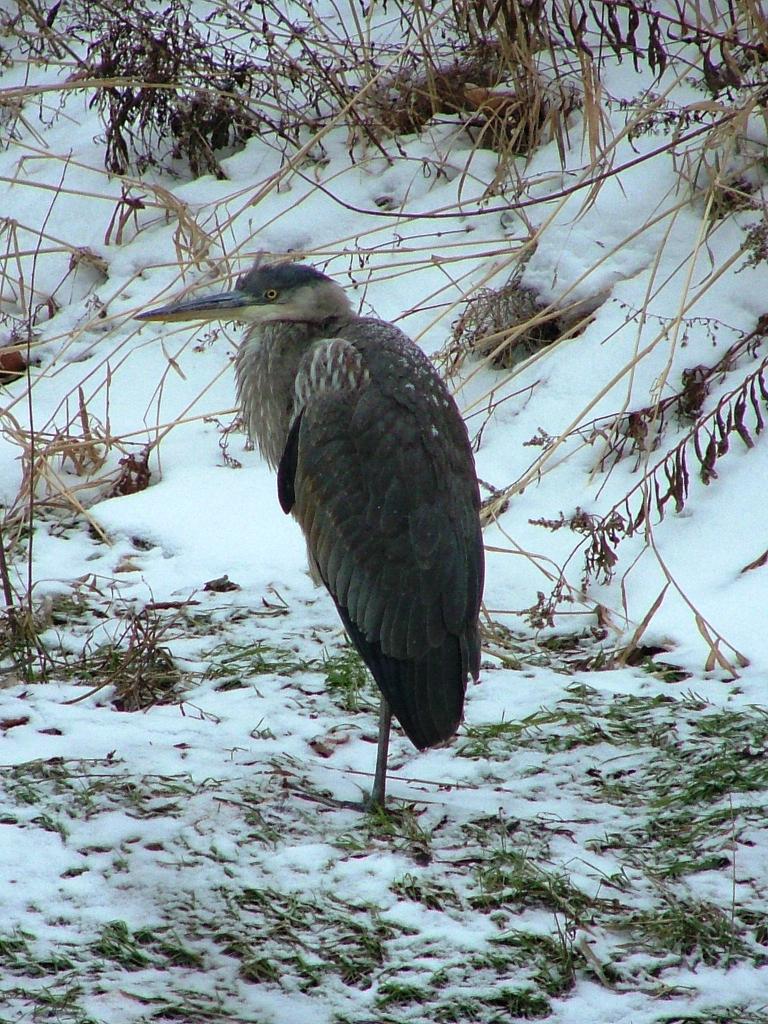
x,y
290,291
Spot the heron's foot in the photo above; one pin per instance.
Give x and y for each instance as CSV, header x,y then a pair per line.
x,y
376,799
373,804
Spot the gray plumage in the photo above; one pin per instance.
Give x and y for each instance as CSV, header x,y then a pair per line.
x,y
374,461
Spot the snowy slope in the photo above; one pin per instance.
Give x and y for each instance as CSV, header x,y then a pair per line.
x,y
592,847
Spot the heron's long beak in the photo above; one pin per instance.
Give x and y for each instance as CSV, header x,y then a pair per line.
x,y
223,306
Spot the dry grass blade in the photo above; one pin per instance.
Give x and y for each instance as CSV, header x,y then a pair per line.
x,y
138,666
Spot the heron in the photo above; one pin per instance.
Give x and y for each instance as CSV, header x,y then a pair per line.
x,y
374,461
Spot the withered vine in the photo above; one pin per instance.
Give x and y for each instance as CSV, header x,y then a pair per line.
x,y
738,414
169,84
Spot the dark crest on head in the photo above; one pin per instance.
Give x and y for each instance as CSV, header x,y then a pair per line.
x,y
282,276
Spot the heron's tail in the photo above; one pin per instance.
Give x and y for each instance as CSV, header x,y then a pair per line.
x,y
426,694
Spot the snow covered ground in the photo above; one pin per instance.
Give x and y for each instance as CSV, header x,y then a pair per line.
x,y
592,848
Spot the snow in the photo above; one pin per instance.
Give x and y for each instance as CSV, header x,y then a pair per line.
x,y
167,818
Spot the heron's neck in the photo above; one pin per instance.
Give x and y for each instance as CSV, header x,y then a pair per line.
x,y
265,367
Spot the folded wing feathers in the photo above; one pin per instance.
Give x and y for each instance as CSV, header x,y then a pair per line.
x,y
388,503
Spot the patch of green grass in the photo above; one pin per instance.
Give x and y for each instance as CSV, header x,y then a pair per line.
x,y
397,828
399,993
19,956
57,1004
74,788
551,960
401,829
458,1011
176,953
494,740
11,945
119,944
583,718
501,1003
235,664
259,969
134,950
756,921
486,873
283,935
348,681
507,870
697,930
48,823
676,759
519,1002
425,891
185,1005
510,879
263,828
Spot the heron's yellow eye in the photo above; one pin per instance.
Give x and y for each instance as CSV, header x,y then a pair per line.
x,y
271,294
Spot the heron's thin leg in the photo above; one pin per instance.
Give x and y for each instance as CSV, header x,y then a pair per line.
x,y
380,778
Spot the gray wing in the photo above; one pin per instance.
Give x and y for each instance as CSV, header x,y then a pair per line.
x,y
379,472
